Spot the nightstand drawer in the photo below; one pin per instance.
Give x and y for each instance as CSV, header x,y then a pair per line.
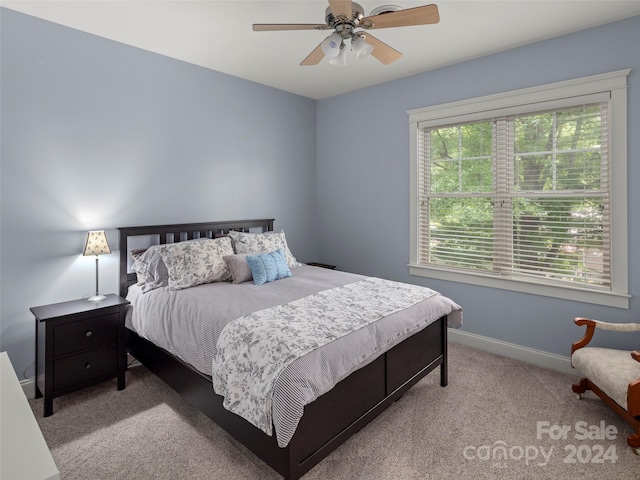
x,y
84,367
89,333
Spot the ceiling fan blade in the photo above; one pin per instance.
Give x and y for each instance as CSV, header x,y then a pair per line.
x,y
383,52
424,15
314,57
270,27
341,7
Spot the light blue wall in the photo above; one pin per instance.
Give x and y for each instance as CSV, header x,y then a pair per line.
x,y
96,135
363,177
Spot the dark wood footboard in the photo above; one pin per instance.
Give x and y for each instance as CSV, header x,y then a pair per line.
x,y
327,422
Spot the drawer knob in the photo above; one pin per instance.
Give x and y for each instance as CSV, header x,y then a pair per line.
x,y
87,366
88,333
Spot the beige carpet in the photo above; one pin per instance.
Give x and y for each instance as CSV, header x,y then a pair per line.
x,y
148,432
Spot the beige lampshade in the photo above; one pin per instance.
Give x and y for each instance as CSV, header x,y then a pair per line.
x,y
96,243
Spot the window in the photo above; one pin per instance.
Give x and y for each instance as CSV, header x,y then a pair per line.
x,y
522,190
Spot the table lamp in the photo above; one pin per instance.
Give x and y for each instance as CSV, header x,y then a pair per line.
x,y
96,245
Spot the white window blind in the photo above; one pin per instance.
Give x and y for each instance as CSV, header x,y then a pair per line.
x,y
519,195
525,190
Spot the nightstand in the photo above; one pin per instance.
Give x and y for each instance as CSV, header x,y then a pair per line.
x,y
79,343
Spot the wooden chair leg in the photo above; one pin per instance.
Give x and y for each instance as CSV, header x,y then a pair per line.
x,y
634,442
580,387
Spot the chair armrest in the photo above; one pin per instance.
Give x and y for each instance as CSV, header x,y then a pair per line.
x,y
593,324
588,335
617,327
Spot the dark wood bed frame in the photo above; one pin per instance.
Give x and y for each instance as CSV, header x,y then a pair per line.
x,y
327,422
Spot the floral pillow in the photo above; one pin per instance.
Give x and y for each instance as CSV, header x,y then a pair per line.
x,y
268,241
196,262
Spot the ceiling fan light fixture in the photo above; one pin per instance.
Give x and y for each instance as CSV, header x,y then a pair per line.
x,y
331,45
341,59
361,47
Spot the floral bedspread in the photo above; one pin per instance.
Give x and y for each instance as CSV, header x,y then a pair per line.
x,y
253,350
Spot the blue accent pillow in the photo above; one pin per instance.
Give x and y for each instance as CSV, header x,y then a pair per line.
x,y
281,263
268,267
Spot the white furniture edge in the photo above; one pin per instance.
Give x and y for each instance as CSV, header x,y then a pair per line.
x,y
24,452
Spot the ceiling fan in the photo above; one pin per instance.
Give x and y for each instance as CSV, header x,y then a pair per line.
x,y
344,17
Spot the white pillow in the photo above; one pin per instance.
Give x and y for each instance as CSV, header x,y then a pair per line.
x,y
196,262
150,269
268,241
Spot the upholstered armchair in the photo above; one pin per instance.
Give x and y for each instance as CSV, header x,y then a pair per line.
x,y
613,375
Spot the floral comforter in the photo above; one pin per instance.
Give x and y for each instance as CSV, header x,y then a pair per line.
x,y
253,350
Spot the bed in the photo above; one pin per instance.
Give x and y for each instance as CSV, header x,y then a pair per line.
x,y
335,413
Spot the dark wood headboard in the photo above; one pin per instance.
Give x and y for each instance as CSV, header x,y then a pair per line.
x,y
178,233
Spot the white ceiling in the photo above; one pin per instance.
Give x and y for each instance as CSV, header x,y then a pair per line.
x,y
217,34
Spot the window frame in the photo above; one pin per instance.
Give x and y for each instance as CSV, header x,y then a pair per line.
x,y
611,86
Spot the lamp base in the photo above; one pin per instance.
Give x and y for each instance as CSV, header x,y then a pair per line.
x,y
96,298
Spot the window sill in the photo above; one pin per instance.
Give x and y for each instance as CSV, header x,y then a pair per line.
x,y
608,299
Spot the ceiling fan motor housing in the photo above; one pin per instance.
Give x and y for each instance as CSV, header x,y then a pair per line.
x,y
345,26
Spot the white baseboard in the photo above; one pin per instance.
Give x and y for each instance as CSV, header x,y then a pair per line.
x,y
29,387
512,350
